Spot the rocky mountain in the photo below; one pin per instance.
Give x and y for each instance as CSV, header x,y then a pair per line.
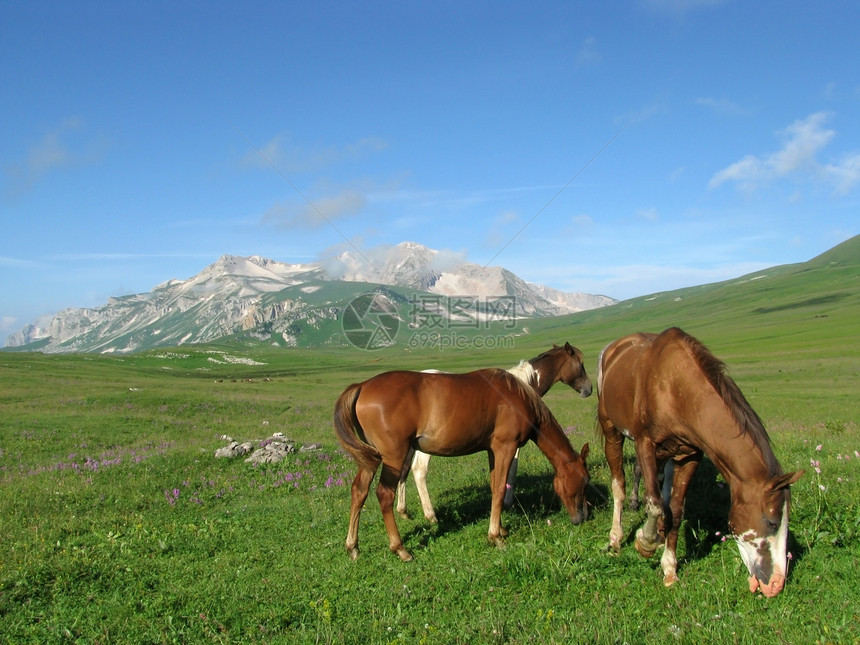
x,y
412,265
293,303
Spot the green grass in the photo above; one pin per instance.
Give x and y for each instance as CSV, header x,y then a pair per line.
x,y
118,524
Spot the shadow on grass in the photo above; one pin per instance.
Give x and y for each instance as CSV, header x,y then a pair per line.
x,y
706,510
534,497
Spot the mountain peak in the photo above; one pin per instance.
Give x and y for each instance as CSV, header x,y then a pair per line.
x,y
236,293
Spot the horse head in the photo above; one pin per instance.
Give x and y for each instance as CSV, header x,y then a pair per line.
x,y
570,483
571,372
758,521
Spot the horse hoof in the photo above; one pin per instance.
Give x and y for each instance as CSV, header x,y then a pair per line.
x,y
432,519
669,579
404,555
613,548
503,532
353,553
646,551
644,546
498,541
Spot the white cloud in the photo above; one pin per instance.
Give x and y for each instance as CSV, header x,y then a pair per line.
x,y
721,106
310,215
352,257
676,174
845,175
21,263
588,53
8,324
59,148
447,259
291,158
649,214
629,281
747,172
797,159
500,231
644,113
803,139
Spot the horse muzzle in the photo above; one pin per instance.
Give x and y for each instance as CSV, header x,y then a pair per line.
x,y
584,388
765,575
769,589
581,514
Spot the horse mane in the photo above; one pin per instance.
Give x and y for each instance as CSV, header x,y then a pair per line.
x,y
527,392
525,372
742,412
576,352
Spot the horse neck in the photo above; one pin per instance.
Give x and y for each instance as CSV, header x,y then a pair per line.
x,y
546,373
553,443
737,454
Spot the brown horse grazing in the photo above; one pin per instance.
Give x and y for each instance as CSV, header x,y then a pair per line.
x,y
382,419
564,364
670,395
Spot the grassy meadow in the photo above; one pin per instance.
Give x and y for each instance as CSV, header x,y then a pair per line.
x,y
118,524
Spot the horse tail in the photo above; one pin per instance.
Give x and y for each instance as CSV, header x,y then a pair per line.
x,y
598,429
349,431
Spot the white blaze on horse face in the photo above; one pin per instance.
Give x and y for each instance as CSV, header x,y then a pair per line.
x,y
779,545
756,551
749,544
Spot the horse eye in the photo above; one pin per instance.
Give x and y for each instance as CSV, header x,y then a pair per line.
x,y
773,526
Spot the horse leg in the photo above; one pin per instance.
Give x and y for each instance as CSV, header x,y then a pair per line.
x,y
420,467
509,484
675,493
500,463
385,494
613,448
401,484
649,537
360,489
634,488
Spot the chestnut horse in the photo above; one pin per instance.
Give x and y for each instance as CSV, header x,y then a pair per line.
x,y
561,363
381,420
670,395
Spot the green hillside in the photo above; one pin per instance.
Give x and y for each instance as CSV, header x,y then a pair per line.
x,y
120,525
774,328
808,307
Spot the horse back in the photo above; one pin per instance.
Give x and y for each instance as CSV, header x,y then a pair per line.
x,y
654,382
443,413
619,375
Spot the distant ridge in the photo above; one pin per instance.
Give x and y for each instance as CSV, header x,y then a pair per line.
x,y
845,254
292,304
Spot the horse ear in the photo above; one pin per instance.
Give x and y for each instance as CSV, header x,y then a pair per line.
x,y
568,347
784,481
584,452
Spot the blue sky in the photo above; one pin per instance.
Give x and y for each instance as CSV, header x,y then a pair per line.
x,y
620,148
